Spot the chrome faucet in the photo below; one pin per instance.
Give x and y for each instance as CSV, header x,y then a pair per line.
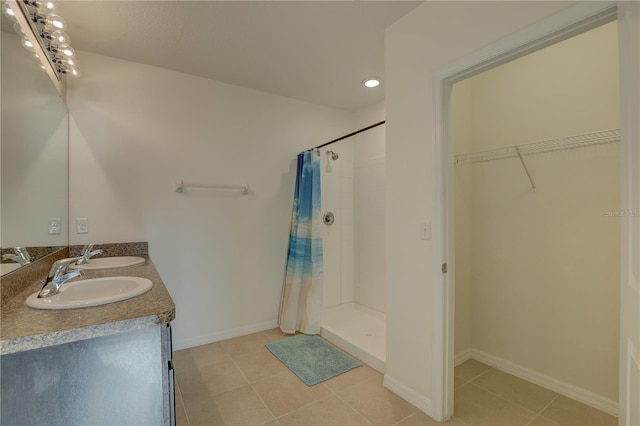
x,y
21,256
58,275
87,253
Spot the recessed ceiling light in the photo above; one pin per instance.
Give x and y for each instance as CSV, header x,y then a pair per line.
x,y
371,82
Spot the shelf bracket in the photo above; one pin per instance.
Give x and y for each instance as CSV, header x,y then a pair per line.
x,y
526,170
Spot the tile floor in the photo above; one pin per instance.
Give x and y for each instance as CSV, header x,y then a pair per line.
x,y
239,382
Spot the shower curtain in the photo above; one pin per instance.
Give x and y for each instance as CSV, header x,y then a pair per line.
x,y
301,304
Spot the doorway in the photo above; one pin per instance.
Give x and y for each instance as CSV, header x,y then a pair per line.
x,y
537,245
560,27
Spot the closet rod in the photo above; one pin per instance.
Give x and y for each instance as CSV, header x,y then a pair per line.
x,y
348,136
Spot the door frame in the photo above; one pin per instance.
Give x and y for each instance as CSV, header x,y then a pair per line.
x,y
562,26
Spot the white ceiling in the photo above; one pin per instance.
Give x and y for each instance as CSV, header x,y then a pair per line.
x,y
316,51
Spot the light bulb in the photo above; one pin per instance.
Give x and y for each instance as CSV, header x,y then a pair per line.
x,y
68,52
26,43
61,38
70,62
9,12
74,72
18,29
47,5
56,21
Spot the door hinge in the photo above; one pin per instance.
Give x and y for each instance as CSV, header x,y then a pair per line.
x,y
444,268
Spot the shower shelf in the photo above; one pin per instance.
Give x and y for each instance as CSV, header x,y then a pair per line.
x,y
569,142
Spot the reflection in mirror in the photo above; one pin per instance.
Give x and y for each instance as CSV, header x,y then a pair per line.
x,y
34,157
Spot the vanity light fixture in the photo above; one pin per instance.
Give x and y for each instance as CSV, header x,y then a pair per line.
x,y
48,26
371,82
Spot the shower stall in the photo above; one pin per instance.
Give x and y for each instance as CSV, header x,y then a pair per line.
x,y
353,205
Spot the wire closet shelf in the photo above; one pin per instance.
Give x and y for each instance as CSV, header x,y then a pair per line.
x,y
569,142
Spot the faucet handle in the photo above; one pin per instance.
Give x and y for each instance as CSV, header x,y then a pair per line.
x,y
59,267
88,247
23,253
88,253
21,256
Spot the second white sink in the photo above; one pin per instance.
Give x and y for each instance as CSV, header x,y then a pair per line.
x,y
92,292
110,262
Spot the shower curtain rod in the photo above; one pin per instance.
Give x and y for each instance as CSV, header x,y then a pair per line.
x,y
348,136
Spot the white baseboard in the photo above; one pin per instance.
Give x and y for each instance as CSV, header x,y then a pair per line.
x,y
410,395
463,356
574,392
223,335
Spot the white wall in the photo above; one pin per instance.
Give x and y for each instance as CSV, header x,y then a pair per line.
x,y
545,265
135,129
429,38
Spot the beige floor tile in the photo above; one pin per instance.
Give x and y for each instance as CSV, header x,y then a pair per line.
x,y
568,412
178,395
329,411
377,404
208,354
285,392
181,417
183,360
468,371
259,365
201,411
213,379
421,419
275,334
242,407
475,406
542,421
351,378
515,390
245,344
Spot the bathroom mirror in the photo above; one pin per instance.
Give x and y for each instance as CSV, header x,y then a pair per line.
x,y
34,160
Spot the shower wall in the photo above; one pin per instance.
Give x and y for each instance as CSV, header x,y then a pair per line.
x,y
537,273
369,191
353,189
339,238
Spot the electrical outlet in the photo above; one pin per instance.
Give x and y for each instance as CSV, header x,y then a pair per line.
x,y
54,225
82,225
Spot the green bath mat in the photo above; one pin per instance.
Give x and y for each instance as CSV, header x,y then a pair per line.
x,y
312,359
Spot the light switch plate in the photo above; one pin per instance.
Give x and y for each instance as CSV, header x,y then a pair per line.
x,y
425,231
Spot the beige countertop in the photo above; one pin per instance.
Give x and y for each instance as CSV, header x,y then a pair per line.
x,y
24,328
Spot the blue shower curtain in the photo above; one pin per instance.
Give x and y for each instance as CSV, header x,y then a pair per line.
x,y
301,304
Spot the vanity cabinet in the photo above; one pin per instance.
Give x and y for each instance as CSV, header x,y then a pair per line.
x,y
118,379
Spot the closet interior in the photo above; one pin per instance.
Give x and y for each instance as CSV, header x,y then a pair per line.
x,y
537,235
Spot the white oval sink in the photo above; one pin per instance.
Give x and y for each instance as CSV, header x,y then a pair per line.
x,y
110,262
92,292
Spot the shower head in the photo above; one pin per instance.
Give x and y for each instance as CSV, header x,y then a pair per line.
x,y
334,156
